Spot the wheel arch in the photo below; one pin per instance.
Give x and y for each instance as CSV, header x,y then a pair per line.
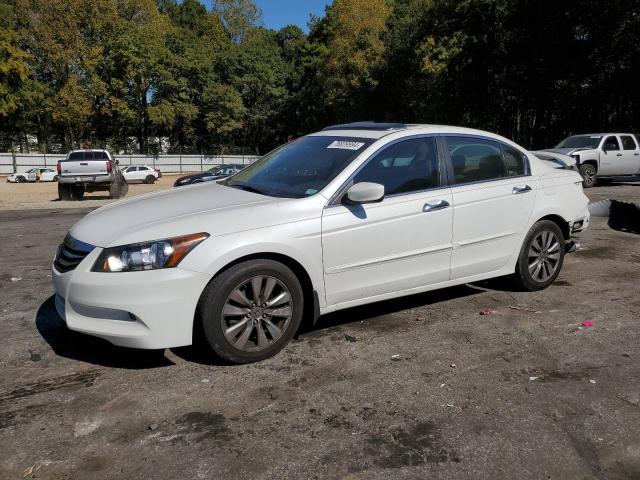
x,y
590,161
560,221
311,310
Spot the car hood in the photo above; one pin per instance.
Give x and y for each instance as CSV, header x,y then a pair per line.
x,y
565,151
168,213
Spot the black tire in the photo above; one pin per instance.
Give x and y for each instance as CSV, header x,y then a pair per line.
x,y
64,192
21,179
528,279
588,172
118,188
77,192
150,179
216,294
55,179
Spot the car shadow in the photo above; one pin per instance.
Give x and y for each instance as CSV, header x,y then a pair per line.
x,y
86,348
387,307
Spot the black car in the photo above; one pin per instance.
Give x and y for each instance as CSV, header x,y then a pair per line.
x,y
214,173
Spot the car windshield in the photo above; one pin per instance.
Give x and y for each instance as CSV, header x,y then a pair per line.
x,y
580,141
215,170
300,168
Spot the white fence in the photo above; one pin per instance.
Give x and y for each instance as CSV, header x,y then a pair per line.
x,y
166,163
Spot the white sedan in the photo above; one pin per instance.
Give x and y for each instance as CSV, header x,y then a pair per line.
x,y
46,175
141,173
347,216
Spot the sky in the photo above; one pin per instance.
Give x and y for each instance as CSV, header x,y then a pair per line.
x,y
278,13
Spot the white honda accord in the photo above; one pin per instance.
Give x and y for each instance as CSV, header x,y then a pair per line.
x,y
350,215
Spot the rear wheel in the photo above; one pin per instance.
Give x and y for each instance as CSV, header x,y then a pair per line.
x,y
64,192
541,256
588,173
250,311
118,188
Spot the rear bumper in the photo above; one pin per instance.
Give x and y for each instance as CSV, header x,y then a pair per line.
x,y
149,310
85,179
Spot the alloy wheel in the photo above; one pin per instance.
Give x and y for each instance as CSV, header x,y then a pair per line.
x,y
257,313
544,256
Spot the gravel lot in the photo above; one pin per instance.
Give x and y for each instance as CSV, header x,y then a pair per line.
x,y
21,196
517,394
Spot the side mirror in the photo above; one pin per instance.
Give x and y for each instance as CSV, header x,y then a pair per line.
x,y
365,192
117,162
609,147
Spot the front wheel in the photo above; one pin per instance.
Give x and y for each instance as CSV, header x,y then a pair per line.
x,y
150,179
588,173
250,311
541,256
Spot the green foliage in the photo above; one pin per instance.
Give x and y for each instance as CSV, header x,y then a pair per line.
x,y
102,72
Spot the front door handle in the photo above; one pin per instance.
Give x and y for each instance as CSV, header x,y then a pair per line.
x,y
437,205
521,189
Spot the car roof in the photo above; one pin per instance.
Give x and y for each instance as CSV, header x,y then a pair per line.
x,y
368,130
89,150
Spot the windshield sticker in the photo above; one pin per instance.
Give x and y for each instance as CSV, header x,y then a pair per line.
x,y
346,145
311,191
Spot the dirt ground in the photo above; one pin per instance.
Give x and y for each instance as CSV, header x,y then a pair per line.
x,y
44,195
522,393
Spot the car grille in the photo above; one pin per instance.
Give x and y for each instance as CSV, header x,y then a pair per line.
x,y
70,253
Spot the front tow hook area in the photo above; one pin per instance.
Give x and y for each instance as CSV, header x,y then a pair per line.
x,y
570,246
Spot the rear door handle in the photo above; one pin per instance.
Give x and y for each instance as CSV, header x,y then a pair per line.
x,y
521,189
437,205
619,155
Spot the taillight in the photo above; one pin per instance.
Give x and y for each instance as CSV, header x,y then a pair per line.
x,y
59,168
108,166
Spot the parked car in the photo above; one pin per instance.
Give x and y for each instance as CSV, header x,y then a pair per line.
x,y
46,175
347,216
215,173
601,156
142,173
89,171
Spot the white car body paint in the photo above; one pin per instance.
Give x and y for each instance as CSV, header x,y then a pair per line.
x,y
379,251
138,173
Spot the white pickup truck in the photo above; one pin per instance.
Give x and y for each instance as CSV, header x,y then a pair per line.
x,y
89,171
600,156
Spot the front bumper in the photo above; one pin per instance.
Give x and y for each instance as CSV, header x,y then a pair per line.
x,y
151,309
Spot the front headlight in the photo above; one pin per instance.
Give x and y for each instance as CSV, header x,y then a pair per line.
x,y
148,255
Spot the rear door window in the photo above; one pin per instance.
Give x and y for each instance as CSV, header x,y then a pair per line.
x,y
515,161
477,159
628,143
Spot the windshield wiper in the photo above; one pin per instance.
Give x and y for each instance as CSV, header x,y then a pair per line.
x,y
248,188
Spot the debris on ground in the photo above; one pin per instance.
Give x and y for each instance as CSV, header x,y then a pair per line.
x,y
16,279
531,379
592,381
153,426
524,309
486,311
35,356
395,357
587,323
624,216
351,339
453,365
